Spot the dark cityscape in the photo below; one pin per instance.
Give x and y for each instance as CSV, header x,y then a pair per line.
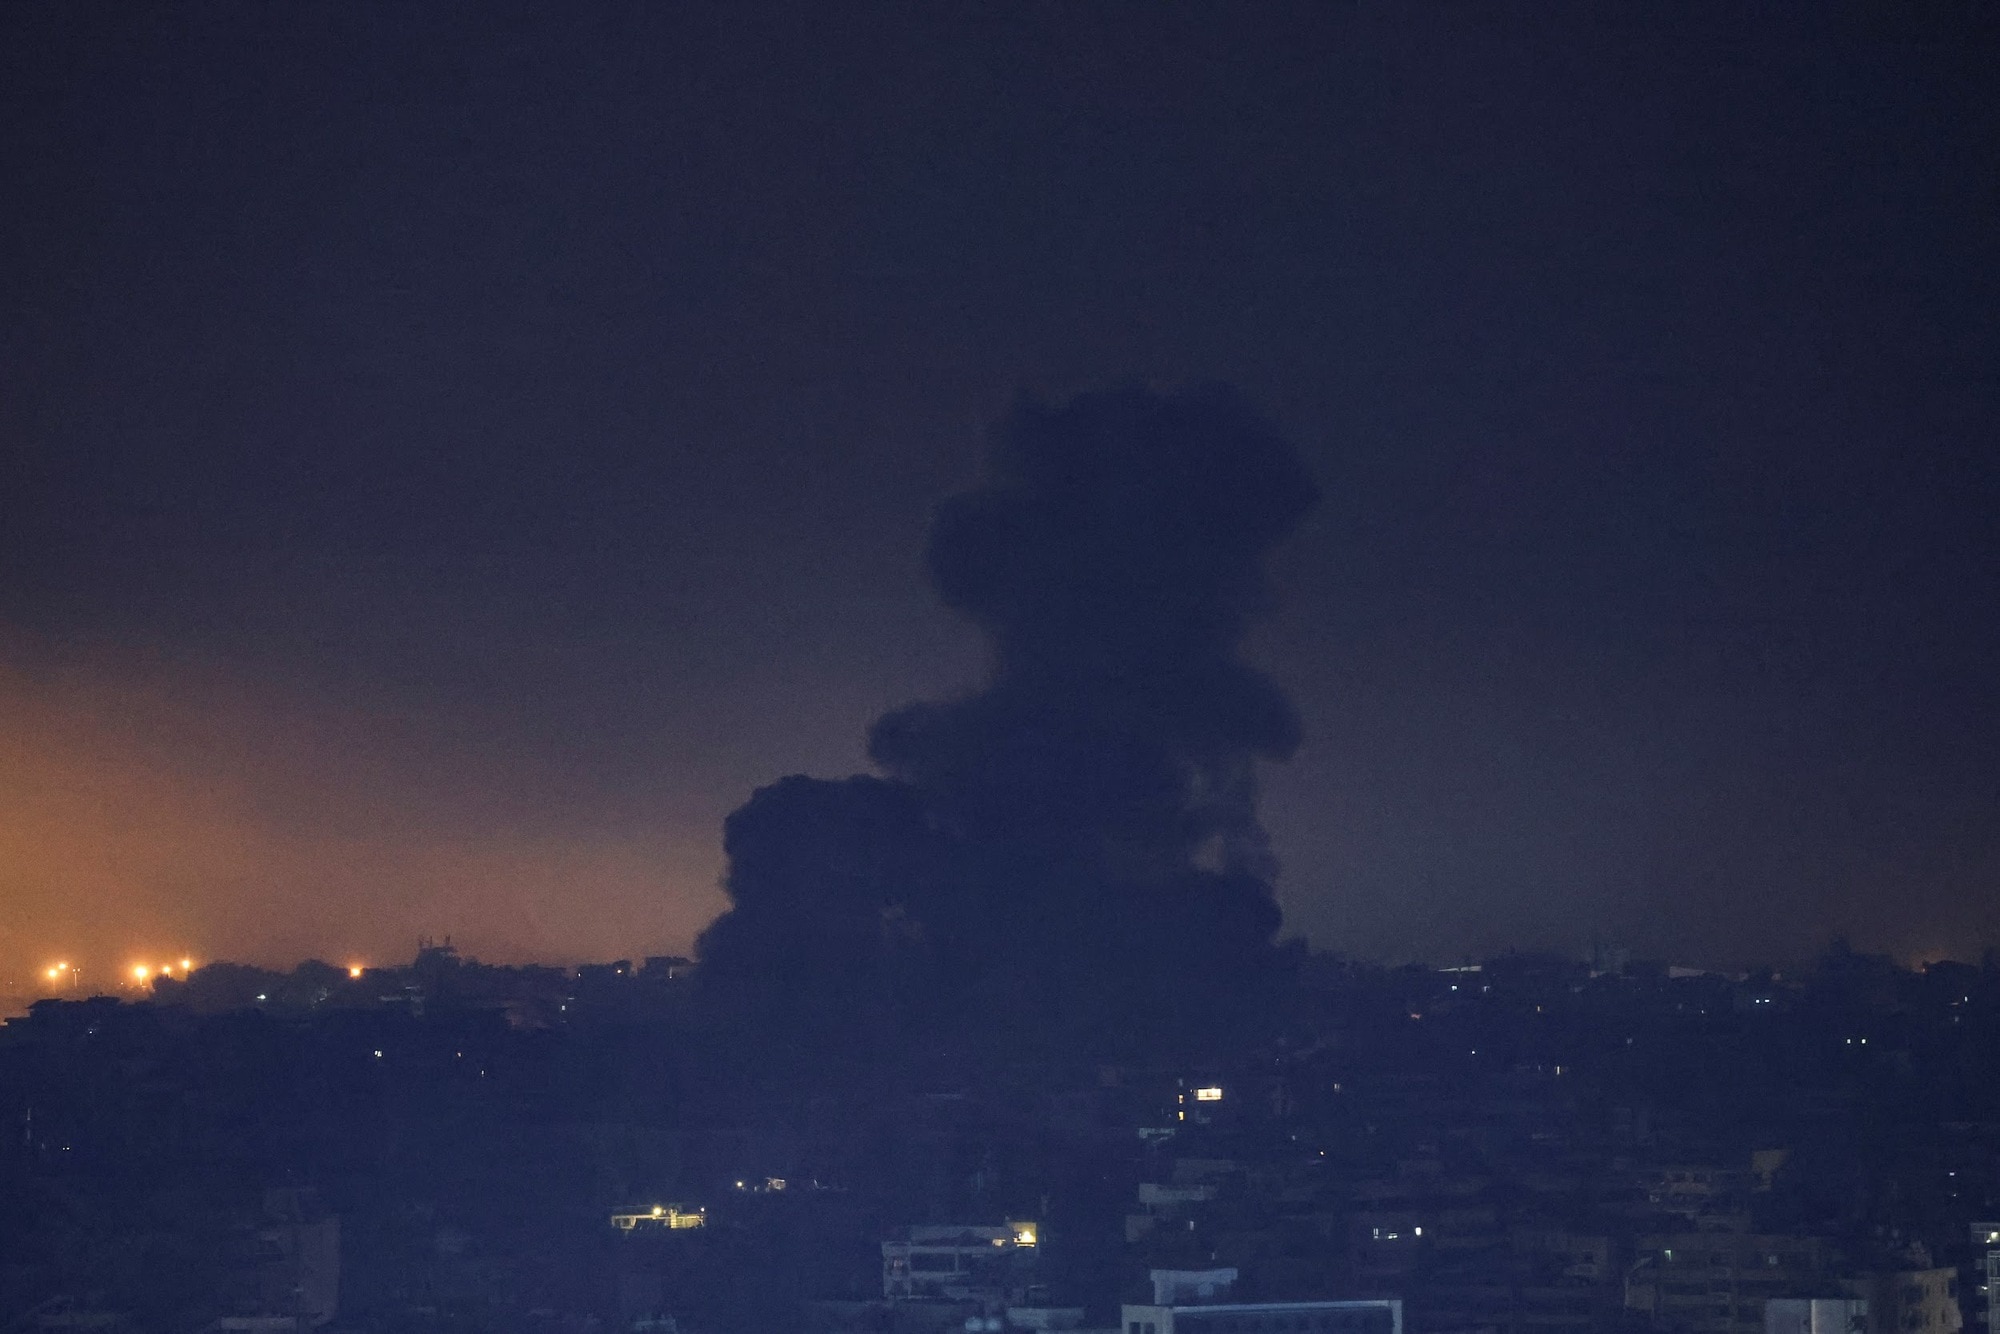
x,y
767,668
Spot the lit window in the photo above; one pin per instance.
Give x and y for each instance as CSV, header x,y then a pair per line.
x,y
1209,1094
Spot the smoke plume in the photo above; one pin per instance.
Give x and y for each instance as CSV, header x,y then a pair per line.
x,y
1078,842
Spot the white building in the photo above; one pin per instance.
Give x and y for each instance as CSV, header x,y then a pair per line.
x,y
1195,1301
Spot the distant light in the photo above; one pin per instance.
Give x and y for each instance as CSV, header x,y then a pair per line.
x,y
262,996
187,965
658,1210
140,971
378,1053
354,970
1209,1094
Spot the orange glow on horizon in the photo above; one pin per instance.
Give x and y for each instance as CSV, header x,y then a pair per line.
x,y
148,795
354,970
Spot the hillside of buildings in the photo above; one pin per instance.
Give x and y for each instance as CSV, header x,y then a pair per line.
x,y
1528,1144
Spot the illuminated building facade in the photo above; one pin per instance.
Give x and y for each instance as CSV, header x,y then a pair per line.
x,y
666,1217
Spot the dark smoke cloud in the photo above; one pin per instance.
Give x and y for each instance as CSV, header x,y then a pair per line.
x,y
824,877
1079,838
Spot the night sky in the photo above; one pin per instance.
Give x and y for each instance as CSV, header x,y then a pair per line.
x,y
451,454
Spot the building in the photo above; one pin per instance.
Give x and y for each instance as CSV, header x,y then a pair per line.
x,y
1691,1189
72,1315
1196,1301
1356,1317
1718,1282
993,1265
1191,1287
1160,1202
1816,1315
1985,1309
671,1217
1910,1301
284,1269
1572,1256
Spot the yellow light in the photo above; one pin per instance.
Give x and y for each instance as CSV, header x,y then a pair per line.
x,y
141,972
1209,1094
54,973
187,965
354,970
657,1211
